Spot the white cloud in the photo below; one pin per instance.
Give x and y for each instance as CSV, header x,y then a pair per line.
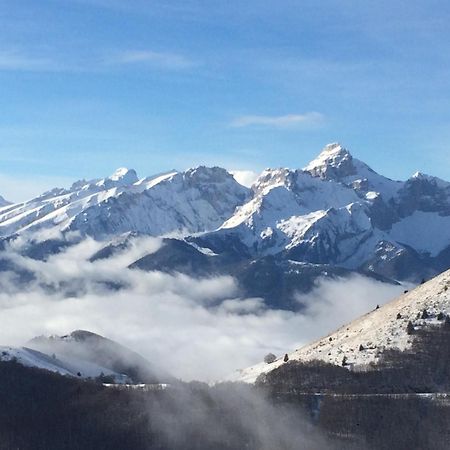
x,y
37,60
287,121
14,60
162,60
244,177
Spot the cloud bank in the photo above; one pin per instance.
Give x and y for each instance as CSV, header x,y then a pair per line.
x,y
195,329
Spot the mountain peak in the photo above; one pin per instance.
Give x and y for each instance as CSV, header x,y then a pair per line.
x,y
121,177
335,148
271,178
333,161
124,175
205,174
423,177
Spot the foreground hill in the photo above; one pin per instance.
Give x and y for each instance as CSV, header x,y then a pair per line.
x,y
84,354
40,411
364,341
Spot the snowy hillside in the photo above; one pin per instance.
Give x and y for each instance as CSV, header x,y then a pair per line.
x,y
177,202
92,353
70,367
364,340
84,354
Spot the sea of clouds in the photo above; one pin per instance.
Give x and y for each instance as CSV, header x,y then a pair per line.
x,y
195,329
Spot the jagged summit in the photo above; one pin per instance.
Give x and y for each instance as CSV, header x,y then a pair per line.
x,y
420,176
127,176
330,153
270,178
121,177
335,161
202,174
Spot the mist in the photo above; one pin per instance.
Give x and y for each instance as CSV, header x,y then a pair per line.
x,y
231,416
194,329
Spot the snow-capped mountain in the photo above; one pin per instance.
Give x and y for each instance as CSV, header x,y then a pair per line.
x,y
339,211
194,201
364,340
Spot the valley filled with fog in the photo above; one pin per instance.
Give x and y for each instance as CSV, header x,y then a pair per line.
x,y
193,328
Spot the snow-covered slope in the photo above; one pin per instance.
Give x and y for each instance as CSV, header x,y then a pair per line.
x,y
90,352
197,200
70,367
85,355
364,340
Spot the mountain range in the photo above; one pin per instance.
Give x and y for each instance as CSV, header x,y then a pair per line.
x,y
334,217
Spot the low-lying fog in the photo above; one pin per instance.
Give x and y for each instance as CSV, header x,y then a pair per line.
x,y
196,329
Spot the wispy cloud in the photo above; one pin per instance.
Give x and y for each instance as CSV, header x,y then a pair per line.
x,y
36,60
162,60
14,60
287,121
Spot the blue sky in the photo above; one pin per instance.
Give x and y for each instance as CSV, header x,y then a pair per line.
x,y
87,86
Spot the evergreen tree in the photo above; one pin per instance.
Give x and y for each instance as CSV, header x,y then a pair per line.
x,y
410,328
